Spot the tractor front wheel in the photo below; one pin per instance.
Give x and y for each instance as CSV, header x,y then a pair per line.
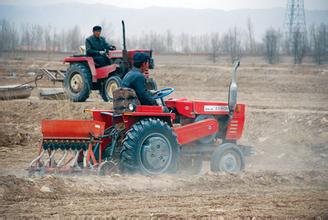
x,y
77,82
150,147
108,87
227,158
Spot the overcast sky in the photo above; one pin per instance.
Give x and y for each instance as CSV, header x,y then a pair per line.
x,y
217,4
197,4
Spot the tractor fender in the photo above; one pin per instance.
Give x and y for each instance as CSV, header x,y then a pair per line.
x,y
106,71
99,73
88,60
130,118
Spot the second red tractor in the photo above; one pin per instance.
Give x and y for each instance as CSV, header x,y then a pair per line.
x,y
82,76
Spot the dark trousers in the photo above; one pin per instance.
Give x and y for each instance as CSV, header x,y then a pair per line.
x,y
101,61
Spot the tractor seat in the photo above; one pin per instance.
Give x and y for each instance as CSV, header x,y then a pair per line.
x,y
79,55
122,98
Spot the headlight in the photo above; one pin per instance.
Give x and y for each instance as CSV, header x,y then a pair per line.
x,y
132,107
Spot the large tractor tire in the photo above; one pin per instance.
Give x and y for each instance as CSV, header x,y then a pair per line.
x,y
77,82
150,148
107,88
227,158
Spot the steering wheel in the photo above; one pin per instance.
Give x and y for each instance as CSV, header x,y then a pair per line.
x,y
162,93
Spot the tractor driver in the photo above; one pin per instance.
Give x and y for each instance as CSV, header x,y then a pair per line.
x,y
97,47
136,80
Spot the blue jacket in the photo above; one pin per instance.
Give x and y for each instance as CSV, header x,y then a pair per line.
x,y
136,80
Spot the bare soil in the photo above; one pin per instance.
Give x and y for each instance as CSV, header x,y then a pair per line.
x,y
287,123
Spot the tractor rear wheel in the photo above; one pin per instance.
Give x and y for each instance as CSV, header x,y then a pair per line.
x,y
77,82
150,147
107,88
227,158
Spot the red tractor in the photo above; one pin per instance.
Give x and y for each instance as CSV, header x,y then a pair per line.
x,y
147,139
82,76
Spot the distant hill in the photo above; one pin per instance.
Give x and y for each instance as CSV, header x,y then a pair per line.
x,y
63,15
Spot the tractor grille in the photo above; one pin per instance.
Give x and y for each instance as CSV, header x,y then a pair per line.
x,y
233,128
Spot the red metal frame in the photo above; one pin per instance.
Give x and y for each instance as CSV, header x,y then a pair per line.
x,y
183,107
130,118
236,123
71,129
191,109
195,131
103,72
97,73
147,108
210,108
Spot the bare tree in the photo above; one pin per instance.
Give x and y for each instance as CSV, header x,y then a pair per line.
x,y
8,36
319,41
250,34
156,42
298,46
205,43
4,36
195,44
26,37
59,41
169,41
74,38
184,43
231,43
215,46
47,38
36,37
271,41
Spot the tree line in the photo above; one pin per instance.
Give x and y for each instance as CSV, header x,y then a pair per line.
x,y
235,42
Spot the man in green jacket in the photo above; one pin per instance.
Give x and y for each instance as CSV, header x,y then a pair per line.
x,y
97,47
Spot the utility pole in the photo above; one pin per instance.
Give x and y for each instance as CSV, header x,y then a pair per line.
x,y
294,20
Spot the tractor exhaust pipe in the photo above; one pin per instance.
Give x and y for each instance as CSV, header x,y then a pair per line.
x,y
232,99
124,52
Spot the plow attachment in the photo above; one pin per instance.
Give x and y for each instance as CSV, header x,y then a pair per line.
x,y
54,75
70,146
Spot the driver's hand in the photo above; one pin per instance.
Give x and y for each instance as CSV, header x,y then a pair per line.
x,y
112,47
153,92
102,52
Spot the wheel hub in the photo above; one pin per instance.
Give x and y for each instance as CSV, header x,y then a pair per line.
x,y
229,163
111,87
156,153
76,83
